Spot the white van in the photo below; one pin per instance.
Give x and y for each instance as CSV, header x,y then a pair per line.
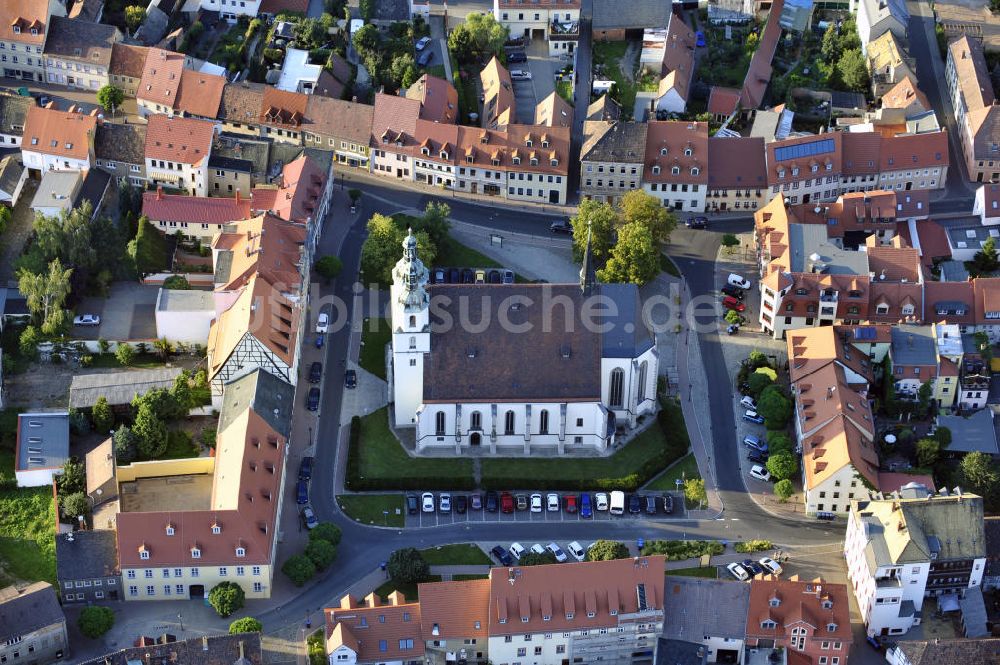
x,y
738,281
618,503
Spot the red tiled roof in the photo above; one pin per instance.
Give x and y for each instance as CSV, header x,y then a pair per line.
x,y
158,206
200,94
161,77
24,14
296,199
825,164
723,101
759,72
275,7
913,151
667,143
737,163
183,140
284,108
438,99
394,117
861,153
61,133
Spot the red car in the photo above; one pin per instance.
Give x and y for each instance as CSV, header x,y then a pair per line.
x,y
730,302
570,500
506,503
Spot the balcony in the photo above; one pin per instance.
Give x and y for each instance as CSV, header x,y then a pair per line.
x,y
559,30
828,297
888,583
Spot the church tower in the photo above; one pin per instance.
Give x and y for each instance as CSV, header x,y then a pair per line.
x,y
411,338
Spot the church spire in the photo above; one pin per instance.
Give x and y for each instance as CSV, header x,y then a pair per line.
x,y
588,277
411,274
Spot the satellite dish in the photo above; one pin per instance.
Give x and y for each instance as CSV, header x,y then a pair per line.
x,y
815,257
890,438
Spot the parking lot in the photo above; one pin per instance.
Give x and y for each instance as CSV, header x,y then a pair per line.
x,y
437,518
127,313
543,68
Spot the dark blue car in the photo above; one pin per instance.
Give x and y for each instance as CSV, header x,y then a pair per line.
x,y
586,510
301,493
319,341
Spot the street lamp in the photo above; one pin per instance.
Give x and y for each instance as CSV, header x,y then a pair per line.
x,y
181,619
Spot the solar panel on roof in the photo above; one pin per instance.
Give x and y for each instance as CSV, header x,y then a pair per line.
x,y
809,149
866,332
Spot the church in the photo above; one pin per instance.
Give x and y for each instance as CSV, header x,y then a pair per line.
x,y
517,369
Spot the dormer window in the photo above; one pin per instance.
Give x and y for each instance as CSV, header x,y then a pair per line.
x,y
241,552
569,616
663,152
656,170
425,151
546,617
814,168
676,170
527,143
516,160
688,152
385,140
554,162
143,552
774,602
470,159
170,529
827,604
195,553
829,166
591,615
695,170
17,29
613,612
34,31
525,619
216,529
495,162
545,144
533,161
831,627
795,171
443,155
781,173
485,138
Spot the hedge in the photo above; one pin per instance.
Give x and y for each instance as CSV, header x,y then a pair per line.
x,y
751,546
680,550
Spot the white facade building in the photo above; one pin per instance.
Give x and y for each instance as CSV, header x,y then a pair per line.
x,y
230,10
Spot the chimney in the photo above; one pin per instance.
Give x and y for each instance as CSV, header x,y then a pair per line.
x,y
237,196
204,643
159,192
241,649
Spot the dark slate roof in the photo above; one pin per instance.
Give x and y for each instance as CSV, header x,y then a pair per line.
x,y
13,111
847,100
238,146
392,10
81,40
89,555
269,397
230,163
121,143
604,108
696,607
972,433
10,172
677,652
26,609
991,527
95,186
628,335
951,652
608,15
468,363
212,650
622,142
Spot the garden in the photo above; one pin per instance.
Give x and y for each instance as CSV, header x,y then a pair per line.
x,y
388,55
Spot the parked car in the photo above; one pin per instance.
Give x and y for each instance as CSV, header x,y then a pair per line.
x,y
757,457
755,443
752,566
492,501
422,43
440,276
87,320
874,642
522,502
309,518
323,323
733,291
494,277
351,379
461,504
570,503
699,222
508,276
753,417
732,303
668,504
576,550
699,38
601,501
520,75
556,552
536,503
552,502
315,372
760,473
306,468
732,329
562,226
738,571
302,492
517,550
412,507
444,502
537,549
468,276
427,502
650,505
770,565
319,341
426,57
617,505
502,555
516,57
480,277
738,281
506,503
476,502
634,504
748,402
586,509
312,400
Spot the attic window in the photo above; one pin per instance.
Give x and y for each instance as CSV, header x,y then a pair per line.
x,y
495,161
591,615
144,553
695,170
69,146
516,160
426,152
195,553
656,170
814,168
569,616
545,144
34,31
470,159
688,152
170,529
774,602
17,29
533,161
527,143
663,151
675,170
241,552
216,529
827,604
53,143
34,140
831,627
554,162
443,154
795,171
767,624
781,173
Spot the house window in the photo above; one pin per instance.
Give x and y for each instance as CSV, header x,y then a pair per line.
x,y
617,388
643,370
798,638
439,423
476,422
543,422
508,420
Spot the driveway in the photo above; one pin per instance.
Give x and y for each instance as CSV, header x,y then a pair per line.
x,y
127,313
542,83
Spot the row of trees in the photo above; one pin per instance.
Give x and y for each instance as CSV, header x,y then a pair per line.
x,y
384,245
625,241
319,553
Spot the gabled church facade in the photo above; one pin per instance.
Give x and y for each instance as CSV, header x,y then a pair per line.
x,y
517,369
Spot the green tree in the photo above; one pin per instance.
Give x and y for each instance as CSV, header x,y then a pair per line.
x,y
599,220
983,344
924,395
634,258
534,559
182,396
367,40
730,241
68,237
73,477
134,16
775,407
384,247
434,222
403,67
638,207
148,250
484,36
28,342
783,489
226,598
5,216
177,283
943,436
831,44
75,504
321,553
45,294
853,71
928,451
299,569
125,354
95,620
979,474
407,565
367,9
329,267
783,465
126,445
758,381
150,432
778,442
78,422
607,550
694,490
986,260
733,317
461,44
110,97
245,625
327,531
163,348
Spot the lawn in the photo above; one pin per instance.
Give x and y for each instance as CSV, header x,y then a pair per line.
x,y
609,55
377,461
375,335
27,526
460,578
371,508
436,70
686,467
454,253
139,361
180,445
465,554
709,572
407,589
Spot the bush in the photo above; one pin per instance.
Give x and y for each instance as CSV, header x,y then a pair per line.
x,y
321,553
408,566
534,559
783,465
326,531
177,282
694,491
245,625
102,416
778,442
126,445
95,620
299,569
751,546
607,550
74,505
125,354
775,407
679,550
226,598
784,489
